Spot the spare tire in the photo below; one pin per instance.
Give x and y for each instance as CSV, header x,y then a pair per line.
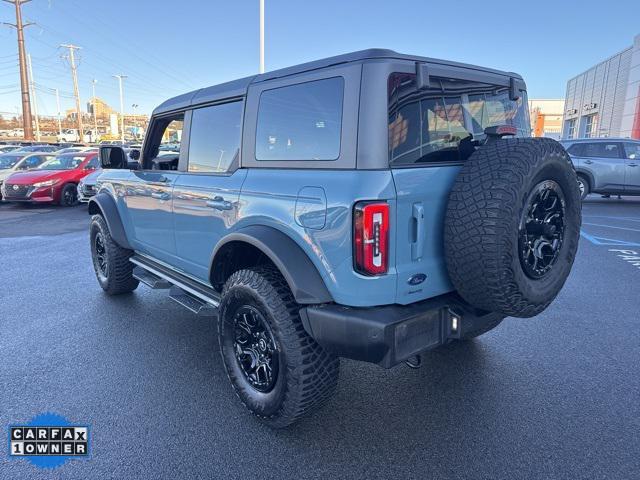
x,y
512,225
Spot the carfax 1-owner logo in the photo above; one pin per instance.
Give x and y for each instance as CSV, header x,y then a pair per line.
x,y
49,440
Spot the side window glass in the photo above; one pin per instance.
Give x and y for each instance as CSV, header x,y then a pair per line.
x,y
301,122
602,150
214,142
164,149
576,149
632,150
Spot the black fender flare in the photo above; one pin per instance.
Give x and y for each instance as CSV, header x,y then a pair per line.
x,y
304,280
105,205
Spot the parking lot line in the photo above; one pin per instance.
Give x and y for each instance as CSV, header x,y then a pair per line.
x,y
611,226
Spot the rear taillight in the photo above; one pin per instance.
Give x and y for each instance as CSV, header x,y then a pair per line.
x,y
371,238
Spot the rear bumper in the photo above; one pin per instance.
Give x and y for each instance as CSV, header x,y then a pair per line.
x,y
390,334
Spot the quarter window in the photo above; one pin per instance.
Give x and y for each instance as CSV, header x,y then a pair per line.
x,y
301,122
214,142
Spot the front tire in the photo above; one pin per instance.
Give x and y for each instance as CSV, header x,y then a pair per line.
x,y
583,185
277,370
111,262
69,195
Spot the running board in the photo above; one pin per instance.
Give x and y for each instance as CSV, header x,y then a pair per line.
x,y
192,303
199,298
149,279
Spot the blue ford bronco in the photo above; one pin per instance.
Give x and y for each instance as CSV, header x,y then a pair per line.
x,y
371,206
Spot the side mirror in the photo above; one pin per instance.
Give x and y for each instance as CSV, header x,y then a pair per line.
x,y
113,157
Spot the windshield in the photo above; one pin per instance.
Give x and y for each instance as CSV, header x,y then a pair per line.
x,y
8,161
63,162
446,122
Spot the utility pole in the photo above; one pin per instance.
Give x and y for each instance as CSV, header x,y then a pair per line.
x,y
93,107
24,79
76,92
120,78
35,98
261,36
58,107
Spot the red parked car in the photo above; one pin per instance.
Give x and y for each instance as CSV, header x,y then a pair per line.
x,y
55,181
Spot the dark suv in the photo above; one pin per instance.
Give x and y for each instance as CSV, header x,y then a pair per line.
x,y
370,206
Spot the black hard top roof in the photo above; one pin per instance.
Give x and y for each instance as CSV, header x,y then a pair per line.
x,y
239,87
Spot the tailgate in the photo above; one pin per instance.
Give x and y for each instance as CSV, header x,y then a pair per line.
x,y
422,195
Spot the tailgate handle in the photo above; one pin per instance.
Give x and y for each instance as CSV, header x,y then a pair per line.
x,y
417,243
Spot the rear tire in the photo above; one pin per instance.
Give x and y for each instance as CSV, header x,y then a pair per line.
x,y
279,373
512,226
111,262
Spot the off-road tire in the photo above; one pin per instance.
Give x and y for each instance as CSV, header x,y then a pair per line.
x,y
72,190
482,221
307,375
118,277
583,186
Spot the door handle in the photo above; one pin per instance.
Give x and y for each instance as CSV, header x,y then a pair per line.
x,y
588,162
219,203
161,195
632,164
417,245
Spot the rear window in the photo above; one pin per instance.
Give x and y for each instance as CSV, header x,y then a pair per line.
x,y
445,122
301,122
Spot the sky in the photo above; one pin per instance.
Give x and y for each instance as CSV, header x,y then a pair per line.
x,y
167,48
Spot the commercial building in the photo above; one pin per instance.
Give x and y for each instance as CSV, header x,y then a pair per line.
x,y
546,118
604,101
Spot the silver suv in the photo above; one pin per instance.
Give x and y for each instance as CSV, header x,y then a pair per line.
x,y
606,165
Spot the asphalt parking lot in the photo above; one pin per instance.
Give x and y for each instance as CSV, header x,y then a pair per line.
x,y
556,396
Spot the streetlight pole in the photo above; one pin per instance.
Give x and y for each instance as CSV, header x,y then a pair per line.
x,y
76,91
58,107
33,93
95,119
120,78
261,36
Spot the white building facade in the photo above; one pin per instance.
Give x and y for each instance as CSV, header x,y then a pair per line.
x,y
604,101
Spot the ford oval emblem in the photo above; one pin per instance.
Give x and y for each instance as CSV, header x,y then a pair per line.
x,y
417,279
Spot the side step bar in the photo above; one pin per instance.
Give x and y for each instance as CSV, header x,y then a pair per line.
x,y
192,303
197,297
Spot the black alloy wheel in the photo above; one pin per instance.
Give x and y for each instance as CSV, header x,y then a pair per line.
x,y
255,348
542,227
100,257
69,195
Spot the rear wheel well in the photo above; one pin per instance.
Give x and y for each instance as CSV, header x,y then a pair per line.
x,y
235,256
